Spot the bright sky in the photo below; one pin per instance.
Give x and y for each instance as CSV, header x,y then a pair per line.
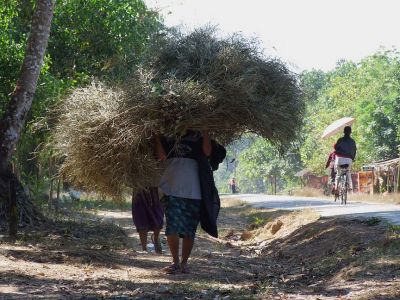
x,y
305,33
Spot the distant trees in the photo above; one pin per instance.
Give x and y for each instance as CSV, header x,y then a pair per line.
x,y
258,166
368,90
107,38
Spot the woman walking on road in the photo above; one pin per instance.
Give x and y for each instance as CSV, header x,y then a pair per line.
x,y
188,191
148,215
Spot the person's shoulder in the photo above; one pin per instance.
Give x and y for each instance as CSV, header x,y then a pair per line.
x,y
339,140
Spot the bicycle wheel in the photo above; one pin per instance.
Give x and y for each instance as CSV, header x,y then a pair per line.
x,y
336,194
345,191
342,189
343,197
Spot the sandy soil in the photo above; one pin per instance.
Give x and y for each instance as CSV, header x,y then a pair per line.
x,y
262,254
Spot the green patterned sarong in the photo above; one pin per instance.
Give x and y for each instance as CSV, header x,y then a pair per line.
x,y
182,216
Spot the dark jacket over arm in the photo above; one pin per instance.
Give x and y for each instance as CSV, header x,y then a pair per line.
x,y
210,202
346,146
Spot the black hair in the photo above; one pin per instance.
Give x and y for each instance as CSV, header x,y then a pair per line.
x,y
190,132
347,131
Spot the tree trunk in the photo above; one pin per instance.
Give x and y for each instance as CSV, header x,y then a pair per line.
x,y
12,190
20,103
12,209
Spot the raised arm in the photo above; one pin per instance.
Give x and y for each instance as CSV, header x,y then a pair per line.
x,y
159,149
207,148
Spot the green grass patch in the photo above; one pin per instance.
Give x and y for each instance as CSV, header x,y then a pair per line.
x,y
373,221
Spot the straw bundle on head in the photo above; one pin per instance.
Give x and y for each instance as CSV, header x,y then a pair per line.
x,y
196,82
252,93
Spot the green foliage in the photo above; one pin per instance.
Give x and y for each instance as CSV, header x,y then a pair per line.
x,y
107,38
368,91
256,160
227,169
394,233
257,222
261,161
373,221
100,37
89,38
12,48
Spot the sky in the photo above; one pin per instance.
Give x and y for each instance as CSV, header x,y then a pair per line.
x,y
306,34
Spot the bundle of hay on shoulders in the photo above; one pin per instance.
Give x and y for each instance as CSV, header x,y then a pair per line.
x,y
197,81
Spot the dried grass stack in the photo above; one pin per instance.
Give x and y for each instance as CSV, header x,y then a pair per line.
x,y
196,82
102,152
251,92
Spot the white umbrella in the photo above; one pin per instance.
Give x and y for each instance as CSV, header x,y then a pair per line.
x,y
337,126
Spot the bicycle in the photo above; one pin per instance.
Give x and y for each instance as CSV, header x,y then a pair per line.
x,y
342,184
329,187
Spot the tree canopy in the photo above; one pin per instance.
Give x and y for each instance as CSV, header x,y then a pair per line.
x,y
368,90
108,38
88,38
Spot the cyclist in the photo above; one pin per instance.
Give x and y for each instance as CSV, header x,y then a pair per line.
x,y
345,150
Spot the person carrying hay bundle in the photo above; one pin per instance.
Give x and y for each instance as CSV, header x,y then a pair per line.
x,y
198,81
186,189
148,215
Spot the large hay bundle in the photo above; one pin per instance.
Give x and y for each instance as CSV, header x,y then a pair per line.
x,y
102,152
196,82
251,92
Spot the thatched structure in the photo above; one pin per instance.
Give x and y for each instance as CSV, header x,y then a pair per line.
x,y
197,81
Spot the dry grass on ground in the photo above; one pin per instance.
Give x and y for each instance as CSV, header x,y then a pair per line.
x,y
261,254
392,198
308,192
232,202
322,258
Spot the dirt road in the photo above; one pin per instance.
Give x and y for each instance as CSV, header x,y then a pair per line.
x,y
97,260
261,254
324,207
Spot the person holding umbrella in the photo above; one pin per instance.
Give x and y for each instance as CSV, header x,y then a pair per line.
x,y
345,151
345,147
